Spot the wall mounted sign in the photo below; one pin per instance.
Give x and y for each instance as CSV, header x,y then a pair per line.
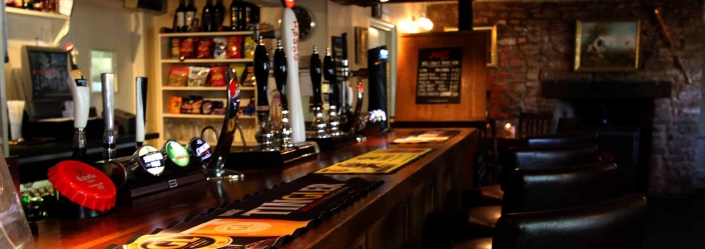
x,y
439,77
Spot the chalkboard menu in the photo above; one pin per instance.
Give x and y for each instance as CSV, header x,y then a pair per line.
x,y
438,79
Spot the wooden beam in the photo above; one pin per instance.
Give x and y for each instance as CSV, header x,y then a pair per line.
x,y
465,15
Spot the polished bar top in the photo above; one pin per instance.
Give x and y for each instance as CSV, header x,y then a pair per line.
x,y
338,231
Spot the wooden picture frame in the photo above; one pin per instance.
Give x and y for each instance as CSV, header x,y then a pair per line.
x,y
607,45
361,41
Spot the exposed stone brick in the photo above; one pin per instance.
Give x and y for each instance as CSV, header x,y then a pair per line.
x,y
519,15
507,41
516,63
537,43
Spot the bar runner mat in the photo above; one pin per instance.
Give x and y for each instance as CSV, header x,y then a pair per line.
x,y
380,161
416,137
268,219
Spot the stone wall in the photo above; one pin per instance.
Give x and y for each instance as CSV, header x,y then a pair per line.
x,y
536,41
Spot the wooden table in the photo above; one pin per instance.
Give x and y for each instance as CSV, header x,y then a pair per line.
x,y
391,216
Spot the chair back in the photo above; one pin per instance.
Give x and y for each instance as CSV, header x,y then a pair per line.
x,y
614,224
534,124
547,189
574,139
546,158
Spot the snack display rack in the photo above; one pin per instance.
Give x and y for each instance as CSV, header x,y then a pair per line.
x,y
169,123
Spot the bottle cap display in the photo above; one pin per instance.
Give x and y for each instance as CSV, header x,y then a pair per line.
x,y
177,153
200,149
150,159
83,185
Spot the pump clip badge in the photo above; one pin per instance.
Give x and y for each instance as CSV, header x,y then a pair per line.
x,y
288,3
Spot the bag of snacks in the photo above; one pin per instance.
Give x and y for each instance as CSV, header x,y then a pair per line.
x,y
249,47
234,44
186,105
186,48
178,76
220,45
174,43
205,47
218,76
207,107
196,104
175,105
198,76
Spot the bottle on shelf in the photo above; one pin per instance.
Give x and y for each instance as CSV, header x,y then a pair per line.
x,y
190,17
28,4
180,17
235,9
218,14
207,17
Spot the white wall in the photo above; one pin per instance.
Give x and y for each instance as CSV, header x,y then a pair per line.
x,y
95,24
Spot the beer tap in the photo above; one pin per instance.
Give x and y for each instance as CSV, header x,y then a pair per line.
x,y
334,101
261,65
280,75
289,34
215,169
81,104
141,109
357,121
319,124
109,140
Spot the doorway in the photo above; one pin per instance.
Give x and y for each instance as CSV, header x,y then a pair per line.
x,y
382,33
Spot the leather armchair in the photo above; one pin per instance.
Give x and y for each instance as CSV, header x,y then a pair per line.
x,y
538,158
546,189
554,141
613,224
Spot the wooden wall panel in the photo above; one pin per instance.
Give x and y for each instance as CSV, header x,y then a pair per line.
x,y
473,87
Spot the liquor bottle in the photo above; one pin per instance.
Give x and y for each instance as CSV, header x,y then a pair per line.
x,y
207,17
29,4
180,17
190,16
235,7
218,14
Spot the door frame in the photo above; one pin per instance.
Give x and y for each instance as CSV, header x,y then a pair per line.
x,y
391,90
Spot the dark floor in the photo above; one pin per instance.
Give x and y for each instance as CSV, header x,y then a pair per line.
x,y
676,224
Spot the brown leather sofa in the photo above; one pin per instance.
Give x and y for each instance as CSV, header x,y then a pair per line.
x,y
538,158
530,190
613,224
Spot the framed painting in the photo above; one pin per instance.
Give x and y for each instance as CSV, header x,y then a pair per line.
x,y
607,45
361,40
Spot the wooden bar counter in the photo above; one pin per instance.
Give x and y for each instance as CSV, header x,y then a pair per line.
x,y
391,216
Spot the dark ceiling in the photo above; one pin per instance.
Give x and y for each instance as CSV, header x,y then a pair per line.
x,y
374,2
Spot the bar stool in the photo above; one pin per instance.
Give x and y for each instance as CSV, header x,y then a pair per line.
x,y
529,190
613,224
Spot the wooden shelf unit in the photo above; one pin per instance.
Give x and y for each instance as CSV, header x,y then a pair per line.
x,y
164,93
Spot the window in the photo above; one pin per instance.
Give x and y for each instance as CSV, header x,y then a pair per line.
x,y
102,62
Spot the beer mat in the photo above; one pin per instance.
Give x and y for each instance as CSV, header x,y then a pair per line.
x,y
416,137
381,161
267,219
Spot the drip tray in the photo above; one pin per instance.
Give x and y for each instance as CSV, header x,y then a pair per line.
x,y
334,143
247,158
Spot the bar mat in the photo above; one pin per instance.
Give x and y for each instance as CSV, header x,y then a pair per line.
x,y
416,137
268,219
381,161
